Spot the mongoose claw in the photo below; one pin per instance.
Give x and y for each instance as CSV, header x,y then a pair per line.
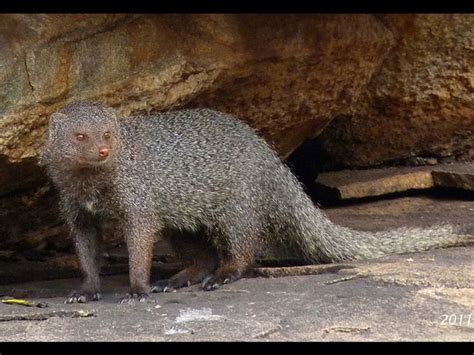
x,y
82,297
132,297
213,282
162,286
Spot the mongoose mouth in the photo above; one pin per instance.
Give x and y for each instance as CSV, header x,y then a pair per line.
x,y
92,163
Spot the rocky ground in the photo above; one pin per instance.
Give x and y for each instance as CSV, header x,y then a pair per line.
x,y
424,296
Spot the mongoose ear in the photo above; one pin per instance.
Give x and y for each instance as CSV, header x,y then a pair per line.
x,y
56,116
113,113
54,121
43,157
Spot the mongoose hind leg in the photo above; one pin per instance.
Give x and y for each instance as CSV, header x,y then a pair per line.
x,y
192,275
236,255
197,254
229,271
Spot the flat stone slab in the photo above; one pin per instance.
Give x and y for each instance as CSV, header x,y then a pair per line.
x,y
426,296
353,184
459,176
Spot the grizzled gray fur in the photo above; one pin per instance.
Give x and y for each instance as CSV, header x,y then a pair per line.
x,y
203,173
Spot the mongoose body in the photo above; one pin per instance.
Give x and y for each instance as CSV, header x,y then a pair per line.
x,y
197,171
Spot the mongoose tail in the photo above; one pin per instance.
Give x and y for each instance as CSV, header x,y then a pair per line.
x,y
321,240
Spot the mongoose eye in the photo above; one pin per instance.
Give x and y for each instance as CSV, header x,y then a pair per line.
x,y
81,137
107,135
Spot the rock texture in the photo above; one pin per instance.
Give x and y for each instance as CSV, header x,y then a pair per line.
x,y
421,101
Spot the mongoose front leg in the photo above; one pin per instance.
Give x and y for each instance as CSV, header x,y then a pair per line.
x,y
140,238
87,243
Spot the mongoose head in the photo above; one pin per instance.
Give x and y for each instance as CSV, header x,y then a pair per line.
x,y
82,135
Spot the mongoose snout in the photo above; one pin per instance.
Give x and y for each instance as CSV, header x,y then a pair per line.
x,y
104,152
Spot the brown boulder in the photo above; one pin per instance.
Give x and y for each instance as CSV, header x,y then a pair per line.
x,y
420,102
287,75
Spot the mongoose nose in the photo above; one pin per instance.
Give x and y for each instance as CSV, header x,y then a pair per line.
x,y
103,152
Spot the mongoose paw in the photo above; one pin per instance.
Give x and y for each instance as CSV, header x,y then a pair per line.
x,y
133,297
82,297
162,286
170,285
213,282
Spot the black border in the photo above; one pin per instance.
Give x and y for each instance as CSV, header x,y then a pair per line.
x,y
237,6
242,348
234,6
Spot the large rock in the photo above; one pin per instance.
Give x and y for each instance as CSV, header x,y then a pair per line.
x,y
286,75
420,102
